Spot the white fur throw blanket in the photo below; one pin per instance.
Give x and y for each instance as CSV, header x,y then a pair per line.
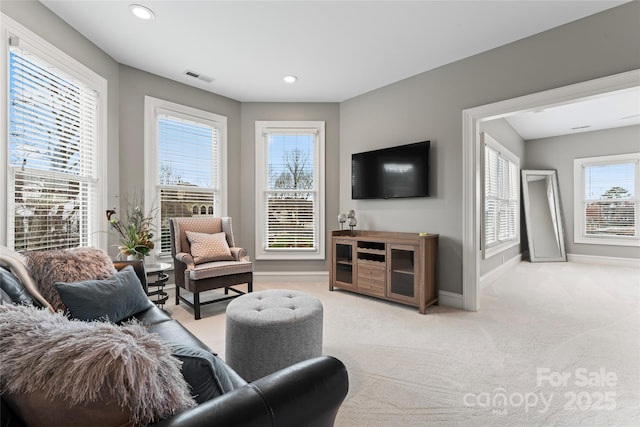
x,y
86,362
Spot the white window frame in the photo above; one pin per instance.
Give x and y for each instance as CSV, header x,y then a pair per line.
x,y
154,107
500,246
579,200
28,40
261,129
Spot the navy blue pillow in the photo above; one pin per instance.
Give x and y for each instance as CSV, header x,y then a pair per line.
x,y
13,288
114,299
204,372
207,375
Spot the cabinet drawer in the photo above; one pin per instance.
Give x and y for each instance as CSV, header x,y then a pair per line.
x,y
372,287
369,271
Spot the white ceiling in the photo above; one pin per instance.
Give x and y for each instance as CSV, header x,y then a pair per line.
x,y
338,49
616,109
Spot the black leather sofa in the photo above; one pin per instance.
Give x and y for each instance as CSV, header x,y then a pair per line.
x,y
306,394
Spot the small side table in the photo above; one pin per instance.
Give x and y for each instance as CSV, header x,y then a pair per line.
x,y
158,269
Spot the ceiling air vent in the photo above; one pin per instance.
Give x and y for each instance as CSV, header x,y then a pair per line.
x,y
198,76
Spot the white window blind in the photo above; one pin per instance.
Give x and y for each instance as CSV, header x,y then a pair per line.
x,y
610,206
188,170
501,195
53,137
289,181
290,220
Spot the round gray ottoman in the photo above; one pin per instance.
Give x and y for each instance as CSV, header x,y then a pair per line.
x,y
270,330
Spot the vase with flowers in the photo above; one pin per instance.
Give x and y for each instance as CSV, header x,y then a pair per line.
x,y
135,231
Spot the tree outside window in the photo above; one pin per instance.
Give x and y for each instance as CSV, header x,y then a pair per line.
x,y
290,211
53,148
289,190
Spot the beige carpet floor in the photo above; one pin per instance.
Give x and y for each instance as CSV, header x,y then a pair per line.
x,y
554,344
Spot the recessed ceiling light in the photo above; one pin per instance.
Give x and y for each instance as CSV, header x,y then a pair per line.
x,y
142,12
290,79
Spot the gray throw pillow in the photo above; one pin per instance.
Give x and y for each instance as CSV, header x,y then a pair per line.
x,y
207,375
114,299
204,372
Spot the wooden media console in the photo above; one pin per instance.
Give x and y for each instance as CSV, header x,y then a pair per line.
x,y
400,267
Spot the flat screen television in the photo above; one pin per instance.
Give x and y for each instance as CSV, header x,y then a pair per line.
x,y
394,172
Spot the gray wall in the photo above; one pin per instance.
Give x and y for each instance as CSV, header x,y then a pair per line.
x,y
127,88
45,24
426,106
558,153
330,114
429,106
134,86
502,132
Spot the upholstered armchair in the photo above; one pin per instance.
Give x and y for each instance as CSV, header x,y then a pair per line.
x,y
205,258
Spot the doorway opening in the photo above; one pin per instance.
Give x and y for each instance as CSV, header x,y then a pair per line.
x,y
471,167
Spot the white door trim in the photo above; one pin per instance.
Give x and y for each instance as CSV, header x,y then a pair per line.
x,y
471,118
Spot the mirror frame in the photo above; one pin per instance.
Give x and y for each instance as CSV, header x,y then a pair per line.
x,y
552,174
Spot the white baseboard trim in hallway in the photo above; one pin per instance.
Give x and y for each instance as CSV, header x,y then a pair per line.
x,y
606,260
493,275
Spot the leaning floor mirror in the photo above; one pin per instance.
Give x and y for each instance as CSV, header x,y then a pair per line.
x,y
542,216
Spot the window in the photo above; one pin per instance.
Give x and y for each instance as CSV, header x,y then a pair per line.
x,y
55,115
501,198
606,200
185,153
290,190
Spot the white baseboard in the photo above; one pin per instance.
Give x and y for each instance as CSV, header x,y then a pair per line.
x,y
494,274
606,260
450,299
290,276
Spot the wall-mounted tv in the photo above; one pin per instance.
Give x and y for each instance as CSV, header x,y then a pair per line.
x,y
394,172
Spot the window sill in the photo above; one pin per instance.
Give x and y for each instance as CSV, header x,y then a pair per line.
x,y
607,241
495,250
289,257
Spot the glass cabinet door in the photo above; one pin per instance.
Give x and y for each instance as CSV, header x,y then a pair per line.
x,y
402,273
343,263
